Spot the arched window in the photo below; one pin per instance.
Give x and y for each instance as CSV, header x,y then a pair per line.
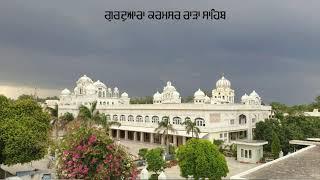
x,y
200,122
122,118
155,119
108,117
176,120
146,119
139,119
187,119
115,117
242,119
130,118
104,103
100,94
165,118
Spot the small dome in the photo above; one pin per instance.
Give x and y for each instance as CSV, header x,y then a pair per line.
x,y
223,83
207,98
244,97
124,95
99,84
169,87
84,79
199,93
116,90
65,92
157,96
109,90
254,94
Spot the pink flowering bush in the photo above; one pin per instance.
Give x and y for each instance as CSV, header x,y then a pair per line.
x,y
88,153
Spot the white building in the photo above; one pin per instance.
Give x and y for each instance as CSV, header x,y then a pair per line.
x,y
218,117
314,113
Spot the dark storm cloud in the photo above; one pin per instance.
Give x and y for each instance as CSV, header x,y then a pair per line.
x,y
268,46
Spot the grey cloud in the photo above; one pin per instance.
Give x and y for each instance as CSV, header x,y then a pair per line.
x,y
268,46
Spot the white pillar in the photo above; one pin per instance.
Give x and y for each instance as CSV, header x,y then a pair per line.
x,y
184,140
151,138
118,134
249,134
142,136
162,140
135,136
175,143
125,135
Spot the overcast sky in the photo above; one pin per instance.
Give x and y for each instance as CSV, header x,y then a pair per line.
x,y
272,47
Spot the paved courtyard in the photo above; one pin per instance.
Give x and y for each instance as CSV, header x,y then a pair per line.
x,y
235,167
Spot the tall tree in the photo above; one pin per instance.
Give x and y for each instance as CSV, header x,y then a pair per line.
x,y
24,132
92,116
275,145
88,115
164,127
105,122
192,127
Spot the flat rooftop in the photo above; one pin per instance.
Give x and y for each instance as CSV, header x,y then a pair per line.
x,y
302,165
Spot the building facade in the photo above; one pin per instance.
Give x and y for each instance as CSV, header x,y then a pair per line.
x,y
218,116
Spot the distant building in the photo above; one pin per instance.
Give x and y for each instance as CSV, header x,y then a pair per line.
x,y
218,117
314,113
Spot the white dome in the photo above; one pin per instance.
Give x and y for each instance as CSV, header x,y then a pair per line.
x,y
199,93
124,95
116,90
109,90
223,83
254,94
99,84
84,79
169,87
65,92
157,96
91,89
244,97
207,98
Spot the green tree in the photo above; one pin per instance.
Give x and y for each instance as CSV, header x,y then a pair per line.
x,y
192,127
105,122
202,159
155,160
141,100
164,127
24,131
275,145
143,152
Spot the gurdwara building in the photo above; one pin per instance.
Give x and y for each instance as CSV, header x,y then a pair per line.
x,y
218,117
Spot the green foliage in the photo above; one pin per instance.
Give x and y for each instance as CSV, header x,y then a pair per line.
x,y
202,159
275,145
191,126
287,128
172,149
24,131
141,100
155,160
187,99
142,152
164,127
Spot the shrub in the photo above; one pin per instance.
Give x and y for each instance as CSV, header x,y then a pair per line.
x,y
88,153
142,153
155,160
201,159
